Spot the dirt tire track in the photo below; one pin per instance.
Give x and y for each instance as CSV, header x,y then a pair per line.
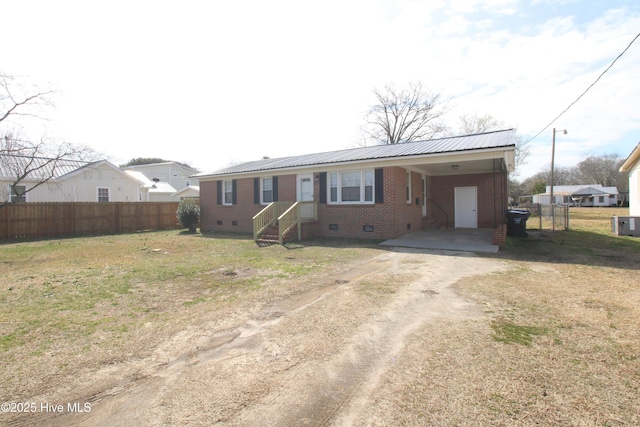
x,y
313,359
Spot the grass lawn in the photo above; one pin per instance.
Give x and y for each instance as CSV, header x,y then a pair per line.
x,y
561,333
77,303
565,320
558,345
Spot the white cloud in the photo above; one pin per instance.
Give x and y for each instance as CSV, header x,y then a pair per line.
x,y
207,82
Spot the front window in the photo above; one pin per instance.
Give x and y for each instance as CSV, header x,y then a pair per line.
x,y
333,188
103,194
267,190
368,186
408,187
18,193
351,187
228,193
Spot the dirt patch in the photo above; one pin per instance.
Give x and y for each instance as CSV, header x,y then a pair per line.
x,y
317,357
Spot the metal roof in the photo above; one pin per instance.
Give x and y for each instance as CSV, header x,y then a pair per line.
x,y
42,167
581,190
488,140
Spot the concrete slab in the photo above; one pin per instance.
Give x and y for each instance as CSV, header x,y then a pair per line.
x,y
452,239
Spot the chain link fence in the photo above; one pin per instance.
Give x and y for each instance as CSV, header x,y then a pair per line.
x,y
547,217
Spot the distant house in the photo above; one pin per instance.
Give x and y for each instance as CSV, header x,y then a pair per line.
x,y
68,181
579,195
378,192
165,179
154,191
191,192
632,166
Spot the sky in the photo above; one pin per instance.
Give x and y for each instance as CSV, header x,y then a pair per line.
x,y
213,83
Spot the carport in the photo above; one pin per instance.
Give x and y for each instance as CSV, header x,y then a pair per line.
x,y
451,239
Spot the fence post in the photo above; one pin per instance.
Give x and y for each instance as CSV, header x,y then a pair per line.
x,y
9,220
116,217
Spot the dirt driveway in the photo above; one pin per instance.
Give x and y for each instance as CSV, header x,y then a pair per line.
x,y
320,357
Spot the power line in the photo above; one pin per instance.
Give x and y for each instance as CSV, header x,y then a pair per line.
x,y
586,90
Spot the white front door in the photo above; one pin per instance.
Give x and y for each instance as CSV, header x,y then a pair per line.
x,y
305,188
466,203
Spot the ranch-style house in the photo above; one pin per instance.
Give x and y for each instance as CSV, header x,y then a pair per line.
x,y
378,192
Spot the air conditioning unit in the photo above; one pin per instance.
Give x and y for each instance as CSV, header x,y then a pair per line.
x,y
625,225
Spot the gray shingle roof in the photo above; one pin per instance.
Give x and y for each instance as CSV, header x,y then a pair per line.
x,y
488,140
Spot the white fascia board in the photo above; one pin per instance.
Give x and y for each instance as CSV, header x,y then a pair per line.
x,y
510,160
632,160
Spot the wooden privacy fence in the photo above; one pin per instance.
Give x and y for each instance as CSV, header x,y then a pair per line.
x,y
29,220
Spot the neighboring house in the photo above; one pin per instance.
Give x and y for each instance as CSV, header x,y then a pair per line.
x,y
579,195
153,191
71,181
632,166
378,192
169,178
191,192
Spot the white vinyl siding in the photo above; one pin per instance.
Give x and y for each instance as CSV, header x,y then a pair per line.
x,y
351,187
83,187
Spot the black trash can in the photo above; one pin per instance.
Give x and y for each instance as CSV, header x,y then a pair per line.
x,y
517,222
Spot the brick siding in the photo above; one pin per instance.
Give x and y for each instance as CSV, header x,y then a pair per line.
x,y
390,219
492,197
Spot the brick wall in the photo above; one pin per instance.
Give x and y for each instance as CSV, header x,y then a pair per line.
x,y
207,205
287,188
491,191
238,217
390,219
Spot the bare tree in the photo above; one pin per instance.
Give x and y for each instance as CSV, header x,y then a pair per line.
x,y
28,162
472,124
407,115
603,170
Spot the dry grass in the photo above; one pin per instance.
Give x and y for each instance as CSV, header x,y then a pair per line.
x,y
75,304
559,345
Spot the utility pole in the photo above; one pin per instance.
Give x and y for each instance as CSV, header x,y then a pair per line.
x,y
551,199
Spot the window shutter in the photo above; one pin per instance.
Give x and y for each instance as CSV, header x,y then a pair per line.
x,y
234,192
379,191
323,187
219,192
256,191
275,188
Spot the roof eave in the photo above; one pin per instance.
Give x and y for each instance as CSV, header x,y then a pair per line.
x,y
388,161
630,162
